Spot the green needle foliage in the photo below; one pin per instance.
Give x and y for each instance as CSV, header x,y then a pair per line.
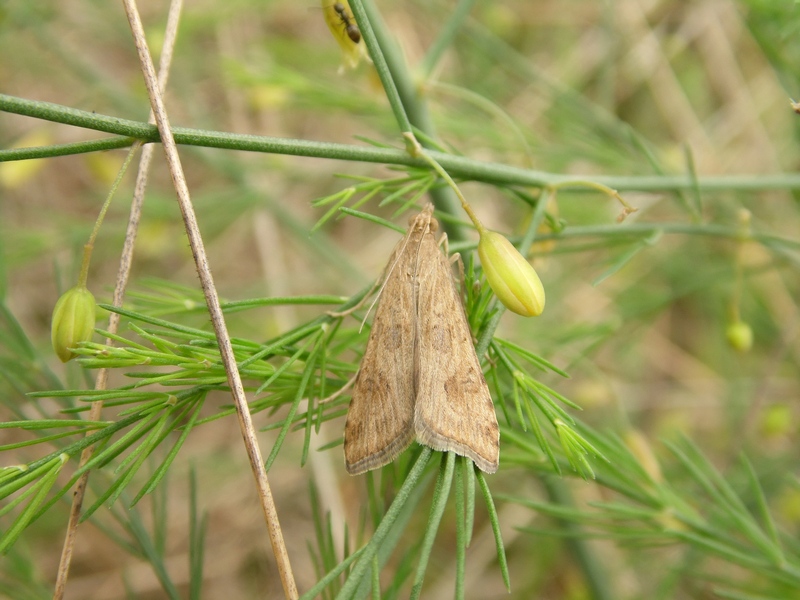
x,y
642,456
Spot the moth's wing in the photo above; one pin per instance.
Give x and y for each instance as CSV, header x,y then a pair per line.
x,y
453,409
380,418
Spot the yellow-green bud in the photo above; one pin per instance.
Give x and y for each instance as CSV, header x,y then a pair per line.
x,y
740,336
777,420
510,275
73,321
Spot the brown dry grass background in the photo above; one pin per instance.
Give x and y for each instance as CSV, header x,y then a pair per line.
x,y
648,342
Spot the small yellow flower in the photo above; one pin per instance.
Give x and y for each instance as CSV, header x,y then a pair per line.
x,y
740,336
73,321
510,275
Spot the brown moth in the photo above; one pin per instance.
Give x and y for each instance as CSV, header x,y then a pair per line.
x,y
420,377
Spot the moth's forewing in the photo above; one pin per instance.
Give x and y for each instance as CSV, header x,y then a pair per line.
x,y
380,418
453,410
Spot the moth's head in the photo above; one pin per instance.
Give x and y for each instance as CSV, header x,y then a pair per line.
x,y
424,220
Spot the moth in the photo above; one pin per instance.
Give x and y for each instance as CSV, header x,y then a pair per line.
x,y
420,377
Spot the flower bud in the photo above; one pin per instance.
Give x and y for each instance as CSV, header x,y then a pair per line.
x,y
740,336
510,275
73,321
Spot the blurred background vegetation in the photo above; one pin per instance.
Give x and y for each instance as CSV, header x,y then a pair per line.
x,y
614,88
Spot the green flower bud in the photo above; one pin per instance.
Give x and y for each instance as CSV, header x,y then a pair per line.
x,y
510,275
740,336
73,321
777,421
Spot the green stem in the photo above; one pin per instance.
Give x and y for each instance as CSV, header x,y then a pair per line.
x,y
536,220
461,526
440,495
418,151
65,149
89,246
457,166
739,261
376,53
415,110
371,549
626,208
643,230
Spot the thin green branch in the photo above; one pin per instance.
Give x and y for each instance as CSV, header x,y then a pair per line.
x,y
394,62
66,149
403,93
461,522
495,522
440,495
457,166
371,549
146,544
376,53
315,591
39,491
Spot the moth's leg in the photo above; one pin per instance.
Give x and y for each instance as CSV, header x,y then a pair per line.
x,y
361,302
341,390
456,258
460,287
378,284
443,242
